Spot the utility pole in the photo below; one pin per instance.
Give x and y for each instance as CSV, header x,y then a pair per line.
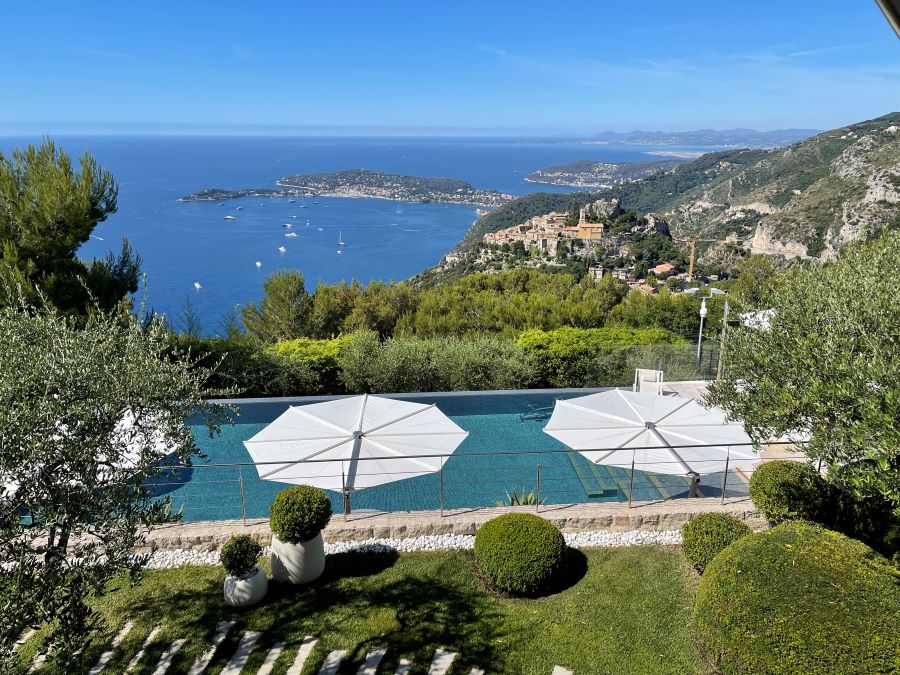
x,y
722,343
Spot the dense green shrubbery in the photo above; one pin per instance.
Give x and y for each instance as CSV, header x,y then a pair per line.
x,y
436,364
872,519
703,537
572,357
799,599
364,362
785,490
239,555
251,367
519,553
299,513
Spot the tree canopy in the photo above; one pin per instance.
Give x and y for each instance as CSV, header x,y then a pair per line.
x,y
90,413
48,209
826,369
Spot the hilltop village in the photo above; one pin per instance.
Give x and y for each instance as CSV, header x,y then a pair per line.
x,y
596,239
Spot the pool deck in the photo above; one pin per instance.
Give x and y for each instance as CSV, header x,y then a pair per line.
x,y
359,526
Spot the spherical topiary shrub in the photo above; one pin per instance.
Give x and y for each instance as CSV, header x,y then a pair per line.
x,y
785,490
705,535
239,555
799,599
299,513
519,553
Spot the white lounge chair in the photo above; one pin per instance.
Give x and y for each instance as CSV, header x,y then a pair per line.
x,y
648,381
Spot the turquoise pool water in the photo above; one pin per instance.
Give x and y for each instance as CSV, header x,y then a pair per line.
x,y
497,422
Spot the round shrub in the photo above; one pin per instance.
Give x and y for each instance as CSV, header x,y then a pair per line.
x,y
703,537
785,490
239,555
299,513
519,553
799,599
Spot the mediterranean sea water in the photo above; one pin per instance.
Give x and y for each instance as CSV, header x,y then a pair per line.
x,y
187,243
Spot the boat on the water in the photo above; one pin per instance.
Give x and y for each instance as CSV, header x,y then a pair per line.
x,y
341,238
291,234
230,218
258,264
282,249
288,225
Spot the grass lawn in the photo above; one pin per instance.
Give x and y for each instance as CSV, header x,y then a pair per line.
x,y
625,610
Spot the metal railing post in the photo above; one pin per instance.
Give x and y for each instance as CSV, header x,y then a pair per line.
x,y
442,487
537,491
344,496
725,475
243,500
631,484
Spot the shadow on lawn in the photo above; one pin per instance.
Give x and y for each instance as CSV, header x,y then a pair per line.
x,y
359,604
576,568
411,615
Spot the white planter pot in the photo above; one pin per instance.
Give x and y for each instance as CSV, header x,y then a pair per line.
x,y
298,563
246,590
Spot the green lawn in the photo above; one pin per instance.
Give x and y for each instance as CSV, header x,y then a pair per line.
x,y
625,610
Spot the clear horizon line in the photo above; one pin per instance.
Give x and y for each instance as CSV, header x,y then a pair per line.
x,y
58,128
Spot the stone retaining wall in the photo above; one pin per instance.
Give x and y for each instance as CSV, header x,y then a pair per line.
x,y
650,516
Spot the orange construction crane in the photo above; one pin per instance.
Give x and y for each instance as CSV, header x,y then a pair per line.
x,y
693,242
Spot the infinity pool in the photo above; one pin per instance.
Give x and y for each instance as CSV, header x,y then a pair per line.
x,y
497,422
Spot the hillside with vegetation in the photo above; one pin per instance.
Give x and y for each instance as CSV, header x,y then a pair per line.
x,y
806,200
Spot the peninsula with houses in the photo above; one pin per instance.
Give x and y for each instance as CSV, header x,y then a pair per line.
x,y
586,173
366,183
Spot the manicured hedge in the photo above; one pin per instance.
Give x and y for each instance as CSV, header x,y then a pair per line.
x,y
299,513
239,555
784,490
799,599
520,553
589,357
704,536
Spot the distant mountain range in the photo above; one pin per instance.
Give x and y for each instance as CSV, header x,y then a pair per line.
x,y
738,138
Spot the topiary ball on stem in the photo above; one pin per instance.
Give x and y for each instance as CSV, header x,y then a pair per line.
x,y
704,536
519,553
785,490
299,513
239,555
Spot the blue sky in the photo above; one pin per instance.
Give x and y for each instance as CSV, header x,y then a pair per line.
x,y
543,67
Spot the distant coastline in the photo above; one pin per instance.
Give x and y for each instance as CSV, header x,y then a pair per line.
x,y
589,174
364,183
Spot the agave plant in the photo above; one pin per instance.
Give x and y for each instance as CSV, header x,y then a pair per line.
x,y
516,498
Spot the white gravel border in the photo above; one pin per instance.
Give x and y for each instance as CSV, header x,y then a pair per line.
x,y
438,542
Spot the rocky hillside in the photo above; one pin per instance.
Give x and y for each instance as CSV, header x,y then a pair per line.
x,y
806,200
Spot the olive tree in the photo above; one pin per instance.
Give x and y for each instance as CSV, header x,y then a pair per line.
x,y
90,414
827,368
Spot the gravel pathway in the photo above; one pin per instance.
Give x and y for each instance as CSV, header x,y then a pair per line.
x,y
444,542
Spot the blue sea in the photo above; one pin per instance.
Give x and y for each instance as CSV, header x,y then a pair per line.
x,y
187,243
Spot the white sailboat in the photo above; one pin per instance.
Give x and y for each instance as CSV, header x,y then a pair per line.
x,y
258,264
282,249
340,238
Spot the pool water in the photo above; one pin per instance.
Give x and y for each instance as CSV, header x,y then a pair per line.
x,y
497,422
